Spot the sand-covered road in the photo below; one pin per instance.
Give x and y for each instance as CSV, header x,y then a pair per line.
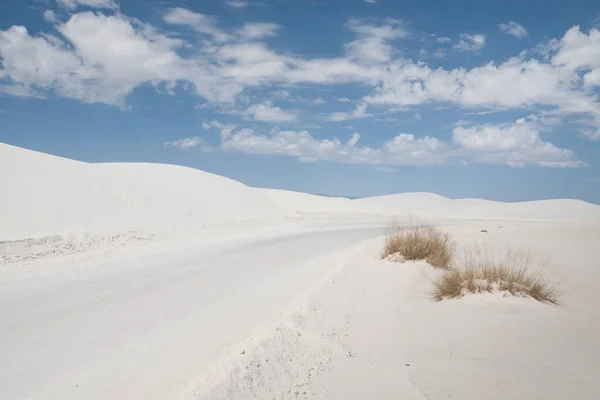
x,y
142,327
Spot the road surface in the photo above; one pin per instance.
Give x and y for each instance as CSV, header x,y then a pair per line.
x,y
143,327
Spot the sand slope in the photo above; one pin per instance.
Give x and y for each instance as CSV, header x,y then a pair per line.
x,y
46,195
431,205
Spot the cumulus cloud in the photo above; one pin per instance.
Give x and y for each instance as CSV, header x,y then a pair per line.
x,y
578,52
515,144
402,150
513,28
101,59
98,58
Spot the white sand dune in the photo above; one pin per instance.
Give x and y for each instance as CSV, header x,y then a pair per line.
x,y
294,305
431,205
309,203
45,195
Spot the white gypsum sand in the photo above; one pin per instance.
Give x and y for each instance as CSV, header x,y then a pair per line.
x,y
240,292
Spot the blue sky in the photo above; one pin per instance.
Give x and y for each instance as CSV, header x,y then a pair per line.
x,y
492,99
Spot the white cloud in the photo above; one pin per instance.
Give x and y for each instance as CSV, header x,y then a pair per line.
x,y
96,58
592,134
206,125
418,116
237,4
102,60
371,1
49,16
371,45
513,28
71,4
354,139
516,83
358,113
344,100
202,23
266,112
515,144
187,143
403,150
580,52
319,101
443,40
257,30
470,42
19,90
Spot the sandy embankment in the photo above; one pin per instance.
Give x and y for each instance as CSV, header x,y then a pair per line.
x,y
372,331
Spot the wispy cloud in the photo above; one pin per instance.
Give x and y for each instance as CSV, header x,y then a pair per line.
x,y
513,28
202,23
109,4
267,112
237,4
258,30
470,42
359,112
185,144
49,16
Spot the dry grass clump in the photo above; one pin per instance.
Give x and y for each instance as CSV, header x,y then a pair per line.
x,y
511,273
419,243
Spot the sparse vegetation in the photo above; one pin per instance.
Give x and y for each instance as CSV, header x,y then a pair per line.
x,y
419,243
512,273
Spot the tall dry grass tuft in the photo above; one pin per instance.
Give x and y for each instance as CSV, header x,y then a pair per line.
x,y
419,243
512,273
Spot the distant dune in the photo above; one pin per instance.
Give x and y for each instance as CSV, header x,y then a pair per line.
x,y
47,195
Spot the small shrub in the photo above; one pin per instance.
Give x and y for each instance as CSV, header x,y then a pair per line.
x,y
511,273
419,243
